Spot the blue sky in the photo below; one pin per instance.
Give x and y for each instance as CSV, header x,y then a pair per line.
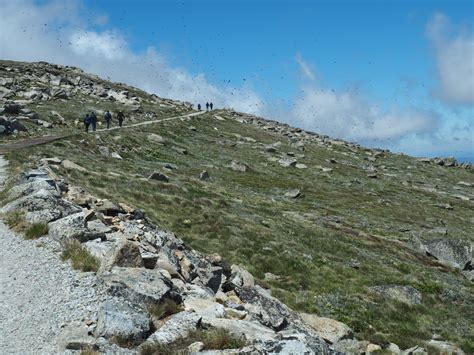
x,y
394,74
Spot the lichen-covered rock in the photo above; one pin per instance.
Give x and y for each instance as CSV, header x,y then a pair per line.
x,y
267,309
138,286
118,319
328,329
175,327
453,252
73,227
252,331
296,343
239,278
45,204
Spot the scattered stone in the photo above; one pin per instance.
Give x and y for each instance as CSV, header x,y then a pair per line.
x,y
104,151
116,156
69,165
295,193
300,166
445,206
156,138
51,161
156,175
237,166
204,175
288,162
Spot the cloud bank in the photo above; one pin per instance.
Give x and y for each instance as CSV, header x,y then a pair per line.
x,y
454,55
350,116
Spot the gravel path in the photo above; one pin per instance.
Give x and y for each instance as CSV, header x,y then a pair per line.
x,y
39,294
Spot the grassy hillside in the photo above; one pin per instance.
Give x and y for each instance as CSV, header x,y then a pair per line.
x,y
352,228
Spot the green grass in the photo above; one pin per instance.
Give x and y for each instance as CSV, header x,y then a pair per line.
x,y
80,258
213,339
36,230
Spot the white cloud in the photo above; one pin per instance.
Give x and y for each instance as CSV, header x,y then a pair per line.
x,y
454,54
349,116
305,68
105,45
60,38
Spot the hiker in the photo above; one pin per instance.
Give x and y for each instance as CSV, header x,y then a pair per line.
x,y
207,106
120,118
199,107
93,120
87,122
211,106
107,118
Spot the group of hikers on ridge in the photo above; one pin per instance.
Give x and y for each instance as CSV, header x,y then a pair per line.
x,y
90,120
209,105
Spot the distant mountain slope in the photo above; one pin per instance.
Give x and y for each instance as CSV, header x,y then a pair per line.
x,y
379,241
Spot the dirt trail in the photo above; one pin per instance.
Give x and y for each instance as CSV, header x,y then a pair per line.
x,y
48,139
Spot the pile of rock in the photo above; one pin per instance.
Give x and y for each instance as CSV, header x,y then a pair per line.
x,y
10,117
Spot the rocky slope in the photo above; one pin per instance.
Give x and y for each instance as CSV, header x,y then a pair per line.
x,y
380,241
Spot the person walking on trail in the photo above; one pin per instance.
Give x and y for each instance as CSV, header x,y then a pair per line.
x,y
93,120
87,122
211,105
199,107
207,106
120,118
107,118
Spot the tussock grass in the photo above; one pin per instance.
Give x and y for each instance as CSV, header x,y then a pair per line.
x,y
15,220
80,258
213,339
36,230
123,342
165,308
89,351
